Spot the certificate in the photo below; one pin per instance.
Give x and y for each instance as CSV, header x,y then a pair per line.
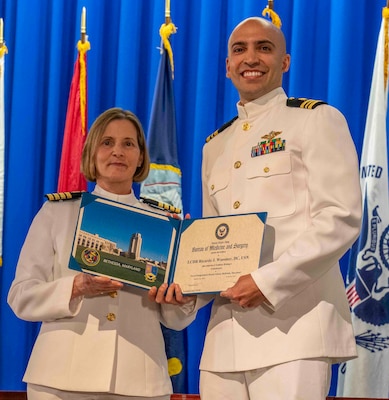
x,y
144,248
214,252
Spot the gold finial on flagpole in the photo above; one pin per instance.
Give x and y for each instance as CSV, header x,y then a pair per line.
x,y
167,12
83,25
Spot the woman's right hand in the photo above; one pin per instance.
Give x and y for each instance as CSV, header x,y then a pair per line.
x,y
90,285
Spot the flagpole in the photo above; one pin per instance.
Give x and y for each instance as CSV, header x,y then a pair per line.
x,y
3,47
167,12
3,51
1,32
83,25
163,184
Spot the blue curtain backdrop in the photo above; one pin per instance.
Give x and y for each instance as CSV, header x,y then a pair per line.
x,y
332,43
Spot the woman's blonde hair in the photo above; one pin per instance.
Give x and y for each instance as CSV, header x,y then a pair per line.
x,y
88,164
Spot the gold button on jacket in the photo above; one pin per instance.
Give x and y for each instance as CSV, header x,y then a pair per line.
x,y
111,316
246,126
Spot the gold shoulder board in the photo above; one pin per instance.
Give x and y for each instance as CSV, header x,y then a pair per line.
x,y
160,206
303,103
221,129
63,196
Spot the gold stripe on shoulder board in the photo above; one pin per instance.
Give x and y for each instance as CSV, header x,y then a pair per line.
x,y
64,195
160,206
308,104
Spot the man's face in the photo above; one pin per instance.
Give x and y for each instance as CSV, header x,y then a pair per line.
x,y
256,59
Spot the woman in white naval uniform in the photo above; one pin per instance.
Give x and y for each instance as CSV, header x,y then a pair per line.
x,y
99,339
275,333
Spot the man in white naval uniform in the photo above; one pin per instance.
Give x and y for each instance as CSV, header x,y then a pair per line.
x,y
276,332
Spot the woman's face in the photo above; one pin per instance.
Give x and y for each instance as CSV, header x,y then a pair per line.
x,y
117,157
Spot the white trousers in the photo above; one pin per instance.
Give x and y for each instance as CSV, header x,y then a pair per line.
x,y
36,392
295,380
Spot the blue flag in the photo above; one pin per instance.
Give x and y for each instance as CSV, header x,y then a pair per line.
x,y
367,281
164,185
164,181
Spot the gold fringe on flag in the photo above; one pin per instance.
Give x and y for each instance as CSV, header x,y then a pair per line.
x,y
385,16
165,31
3,50
83,47
275,19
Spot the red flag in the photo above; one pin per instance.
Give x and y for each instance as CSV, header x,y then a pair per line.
x,y
70,177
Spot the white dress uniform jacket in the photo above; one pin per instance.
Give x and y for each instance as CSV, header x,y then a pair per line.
x,y
100,344
311,193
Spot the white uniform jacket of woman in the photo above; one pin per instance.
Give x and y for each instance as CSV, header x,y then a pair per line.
x,y
109,343
311,192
